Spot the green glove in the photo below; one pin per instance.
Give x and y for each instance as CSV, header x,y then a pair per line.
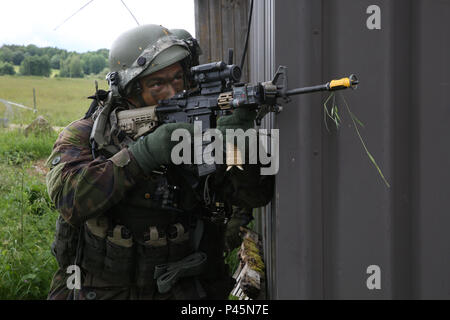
x,y
154,150
242,118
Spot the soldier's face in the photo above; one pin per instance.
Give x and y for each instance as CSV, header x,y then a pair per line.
x,y
162,84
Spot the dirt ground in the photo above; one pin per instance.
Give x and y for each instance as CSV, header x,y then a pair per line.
x,y
38,169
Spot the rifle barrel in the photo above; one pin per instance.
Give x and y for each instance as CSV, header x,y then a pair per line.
x,y
321,87
344,83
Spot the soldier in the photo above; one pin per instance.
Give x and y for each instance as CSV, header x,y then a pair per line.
x,y
128,218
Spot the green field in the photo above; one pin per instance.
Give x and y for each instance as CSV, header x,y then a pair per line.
x,y
59,100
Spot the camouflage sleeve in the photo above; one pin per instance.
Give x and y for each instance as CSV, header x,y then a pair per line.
x,y
82,187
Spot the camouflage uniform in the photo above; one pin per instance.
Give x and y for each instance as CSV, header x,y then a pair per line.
x,y
157,228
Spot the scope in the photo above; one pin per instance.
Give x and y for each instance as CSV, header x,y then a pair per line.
x,y
215,74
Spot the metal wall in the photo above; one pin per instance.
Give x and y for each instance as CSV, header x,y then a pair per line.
x,y
332,216
220,25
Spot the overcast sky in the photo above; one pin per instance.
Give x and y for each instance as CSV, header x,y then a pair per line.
x,y
24,22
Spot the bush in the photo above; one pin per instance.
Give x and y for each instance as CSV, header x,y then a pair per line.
x,y
7,68
102,74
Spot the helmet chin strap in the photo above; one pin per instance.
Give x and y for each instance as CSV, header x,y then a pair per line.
x,y
136,95
141,100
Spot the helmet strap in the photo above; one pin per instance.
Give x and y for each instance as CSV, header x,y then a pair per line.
x,y
135,92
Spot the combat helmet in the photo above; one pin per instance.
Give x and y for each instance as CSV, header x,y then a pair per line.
x,y
142,51
192,43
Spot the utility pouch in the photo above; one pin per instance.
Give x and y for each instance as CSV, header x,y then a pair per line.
x,y
118,263
152,252
178,242
64,247
94,248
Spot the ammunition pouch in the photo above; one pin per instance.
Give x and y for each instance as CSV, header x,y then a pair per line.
x,y
64,247
164,256
119,257
179,242
152,252
94,249
108,253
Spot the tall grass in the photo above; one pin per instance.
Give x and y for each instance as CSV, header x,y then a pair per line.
x,y
16,149
27,218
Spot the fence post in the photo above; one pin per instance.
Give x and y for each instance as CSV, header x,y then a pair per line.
x,y
34,100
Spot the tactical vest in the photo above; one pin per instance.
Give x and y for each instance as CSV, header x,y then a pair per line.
x,y
150,239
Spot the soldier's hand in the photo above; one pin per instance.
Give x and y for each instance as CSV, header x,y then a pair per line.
x,y
154,150
241,118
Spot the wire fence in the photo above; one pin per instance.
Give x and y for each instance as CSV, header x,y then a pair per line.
x,y
9,111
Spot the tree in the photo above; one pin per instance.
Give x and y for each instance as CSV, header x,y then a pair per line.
x,y
7,68
75,67
85,62
6,54
55,61
93,63
18,57
35,66
97,63
103,52
71,67
32,50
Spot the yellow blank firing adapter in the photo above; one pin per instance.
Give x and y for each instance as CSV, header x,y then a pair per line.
x,y
350,82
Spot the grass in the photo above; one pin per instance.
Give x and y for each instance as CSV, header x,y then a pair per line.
x,y
16,149
27,217
59,100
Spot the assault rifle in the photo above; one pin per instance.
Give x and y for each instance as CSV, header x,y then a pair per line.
x,y
218,92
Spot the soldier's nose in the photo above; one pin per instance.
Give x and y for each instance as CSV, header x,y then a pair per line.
x,y
170,92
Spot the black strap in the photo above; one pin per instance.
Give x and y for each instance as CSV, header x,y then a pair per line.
x,y
91,110
100,95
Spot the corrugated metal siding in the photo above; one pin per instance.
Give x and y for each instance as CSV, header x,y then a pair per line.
x,y
220,25
332,216
261,36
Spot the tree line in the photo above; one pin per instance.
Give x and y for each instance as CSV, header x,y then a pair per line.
x,y
38,61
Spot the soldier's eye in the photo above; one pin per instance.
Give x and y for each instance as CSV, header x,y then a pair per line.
x,y
155,85
178,77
